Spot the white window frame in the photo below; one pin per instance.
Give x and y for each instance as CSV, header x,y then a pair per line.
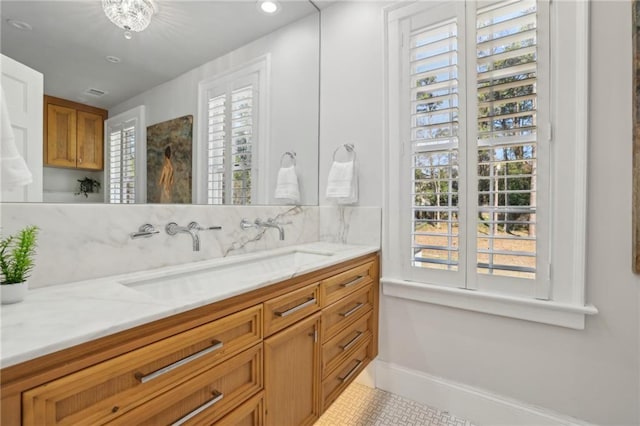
x,y
562,302
137,117
258,70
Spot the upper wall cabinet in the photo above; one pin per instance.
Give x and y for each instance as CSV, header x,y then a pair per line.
x,y
73,134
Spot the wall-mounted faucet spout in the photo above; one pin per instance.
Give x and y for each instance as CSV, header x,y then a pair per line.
x,y
173,228
270,223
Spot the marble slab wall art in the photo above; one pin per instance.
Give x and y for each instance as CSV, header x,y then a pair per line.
x,y
351,225
78,242
169,164
636,136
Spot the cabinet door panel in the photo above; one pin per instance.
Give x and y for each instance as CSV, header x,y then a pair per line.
x,y
342,376
291,374
110,389
61,136
335,288
289,308
344,312
205,398
342,345
90,135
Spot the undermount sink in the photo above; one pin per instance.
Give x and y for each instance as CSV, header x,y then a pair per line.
x,y
226,277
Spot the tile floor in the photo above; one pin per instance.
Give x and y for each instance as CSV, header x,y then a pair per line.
x,y
360,405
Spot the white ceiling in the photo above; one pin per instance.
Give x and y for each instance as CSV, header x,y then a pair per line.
x,y
70,40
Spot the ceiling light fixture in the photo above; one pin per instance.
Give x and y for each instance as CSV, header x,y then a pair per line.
x,y
270,7
113,59
130,15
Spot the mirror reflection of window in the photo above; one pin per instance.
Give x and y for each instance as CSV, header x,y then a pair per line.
x,y
125,137
232,107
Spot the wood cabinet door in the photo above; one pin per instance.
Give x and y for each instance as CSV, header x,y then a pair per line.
x,y
60,148
292,371
90,141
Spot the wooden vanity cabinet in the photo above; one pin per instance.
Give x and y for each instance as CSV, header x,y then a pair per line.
x,y
73,134
278,355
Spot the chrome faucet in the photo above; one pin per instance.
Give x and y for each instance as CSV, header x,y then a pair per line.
x,y
192,229
270,223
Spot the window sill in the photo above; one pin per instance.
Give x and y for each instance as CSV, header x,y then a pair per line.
x,y
546,312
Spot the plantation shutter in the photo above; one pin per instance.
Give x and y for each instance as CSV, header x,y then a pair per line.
x,y
472,89
434,78
230,138
507,130
122,170
216,150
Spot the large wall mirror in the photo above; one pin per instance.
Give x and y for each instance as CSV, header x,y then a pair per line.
x,y
237,87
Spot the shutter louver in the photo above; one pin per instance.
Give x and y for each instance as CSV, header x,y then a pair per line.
x,y
506,46
241,141
230,138
434,146
122,144
216,150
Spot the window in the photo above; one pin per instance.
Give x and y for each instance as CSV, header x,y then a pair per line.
x,y
470,118
231,131
124,139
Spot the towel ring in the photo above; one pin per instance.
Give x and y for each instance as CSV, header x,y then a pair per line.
x,y
288,154
349,147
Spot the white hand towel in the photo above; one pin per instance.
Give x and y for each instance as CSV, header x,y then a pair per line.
x,y
287,188
14,169
342,183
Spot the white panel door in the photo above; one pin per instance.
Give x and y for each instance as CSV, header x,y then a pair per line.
x,y
24,89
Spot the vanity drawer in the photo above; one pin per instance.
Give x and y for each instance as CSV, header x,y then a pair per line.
x,y
353,365
338,286
102,392
347,310
290,308
342,345
250,413
205,398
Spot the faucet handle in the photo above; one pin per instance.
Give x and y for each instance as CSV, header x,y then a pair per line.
x,y
196,226
144,231
246,224
275,222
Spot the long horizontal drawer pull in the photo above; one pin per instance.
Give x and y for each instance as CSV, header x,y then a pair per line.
x,y
217,396
354,281
352,310
353,341
309,302
351,372
217,344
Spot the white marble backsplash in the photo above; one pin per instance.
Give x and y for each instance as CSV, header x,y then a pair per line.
x,y
78,242
350,225
83,241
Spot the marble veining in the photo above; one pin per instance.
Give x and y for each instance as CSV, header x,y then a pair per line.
x,y
57,317
79,242
350,225
84,241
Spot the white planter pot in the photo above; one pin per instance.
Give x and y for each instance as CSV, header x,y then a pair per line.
x,y
13,293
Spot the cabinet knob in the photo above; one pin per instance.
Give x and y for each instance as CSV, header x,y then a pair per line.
x,y
80,159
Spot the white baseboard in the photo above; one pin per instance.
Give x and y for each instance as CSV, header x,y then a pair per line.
x,y
477,405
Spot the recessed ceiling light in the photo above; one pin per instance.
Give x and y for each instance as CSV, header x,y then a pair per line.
x,y
21,25
270,7
113,59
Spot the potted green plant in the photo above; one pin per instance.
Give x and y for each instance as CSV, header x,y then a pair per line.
x,y
16,262
88,185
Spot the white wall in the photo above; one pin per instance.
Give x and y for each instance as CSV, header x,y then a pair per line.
x,y
591,374
293,107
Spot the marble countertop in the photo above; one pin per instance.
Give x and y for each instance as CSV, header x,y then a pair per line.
x,y
62,316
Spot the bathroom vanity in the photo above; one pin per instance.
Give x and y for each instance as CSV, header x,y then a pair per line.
x,y
274,352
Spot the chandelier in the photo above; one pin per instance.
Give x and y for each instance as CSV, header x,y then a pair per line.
x,y
130,15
